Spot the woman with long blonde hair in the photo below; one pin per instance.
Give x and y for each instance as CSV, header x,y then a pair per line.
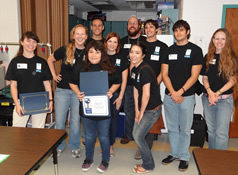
x,y
219,79
65,98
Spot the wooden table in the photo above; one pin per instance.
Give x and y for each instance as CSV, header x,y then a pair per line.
x,y
216,162
27,147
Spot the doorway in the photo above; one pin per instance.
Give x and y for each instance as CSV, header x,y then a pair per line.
x,y
229,21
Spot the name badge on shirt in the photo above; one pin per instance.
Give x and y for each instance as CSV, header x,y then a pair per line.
x,y
74,61
188,53
38,67
21,66
154,57
157,49
213,61
118,62
127,46
133,75
138,78
173,56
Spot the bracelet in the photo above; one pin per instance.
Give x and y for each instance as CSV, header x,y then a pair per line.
x,y
220,92
50,99
208,88
183,90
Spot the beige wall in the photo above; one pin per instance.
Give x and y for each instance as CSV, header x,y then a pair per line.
x,y
10,24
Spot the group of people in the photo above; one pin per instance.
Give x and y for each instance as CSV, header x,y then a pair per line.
x,y
136,66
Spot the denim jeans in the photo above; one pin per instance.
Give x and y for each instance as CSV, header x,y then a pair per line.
x,y
65,99
218,122
129,109
114,119
139,133
94,128
179,118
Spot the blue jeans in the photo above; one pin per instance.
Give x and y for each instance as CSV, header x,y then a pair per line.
x,y
179,118
129,109
218,122
139,133
92,129
114,119
65,99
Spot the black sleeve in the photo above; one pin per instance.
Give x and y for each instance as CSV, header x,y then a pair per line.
x,y
60,53
10,75
203,71
146,76
114,79
162,51
46,72
164,58
124,64
75,74
198,57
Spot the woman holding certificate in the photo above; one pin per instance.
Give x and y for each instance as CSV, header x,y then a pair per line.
x,y
112,46
96,59
147,104
28,73
65,98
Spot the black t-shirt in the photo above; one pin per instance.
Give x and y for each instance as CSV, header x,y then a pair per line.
x,y
121,64
91,39
126,44
180,60
142,75
29,73
112,79
66,69
216,82
155,51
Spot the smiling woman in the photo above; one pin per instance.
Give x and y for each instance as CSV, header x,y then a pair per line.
x,y
219,79
65,98
96,59
28,73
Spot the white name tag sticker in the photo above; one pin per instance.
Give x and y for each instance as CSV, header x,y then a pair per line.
x,y
21,66
38,66
213,61
133,75
173,56
188,52
74,61
154,57
157,49
118,62
127,46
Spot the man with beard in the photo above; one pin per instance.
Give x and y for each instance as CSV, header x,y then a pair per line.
x,y
134,36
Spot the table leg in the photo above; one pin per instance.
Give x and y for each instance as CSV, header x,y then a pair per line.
x,y
55,161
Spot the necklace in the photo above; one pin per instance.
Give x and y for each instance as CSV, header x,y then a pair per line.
x,y
79,54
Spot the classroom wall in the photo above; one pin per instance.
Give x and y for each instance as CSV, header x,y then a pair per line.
x,y
204,18
10,26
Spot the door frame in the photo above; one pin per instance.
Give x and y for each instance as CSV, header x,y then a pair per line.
x,y
223,22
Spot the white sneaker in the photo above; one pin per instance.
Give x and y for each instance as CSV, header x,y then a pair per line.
x,y
76,153
59,152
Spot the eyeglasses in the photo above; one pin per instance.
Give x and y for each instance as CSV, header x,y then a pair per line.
x,y
132,23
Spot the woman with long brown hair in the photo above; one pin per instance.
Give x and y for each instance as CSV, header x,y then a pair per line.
x,y
219,79
65,98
